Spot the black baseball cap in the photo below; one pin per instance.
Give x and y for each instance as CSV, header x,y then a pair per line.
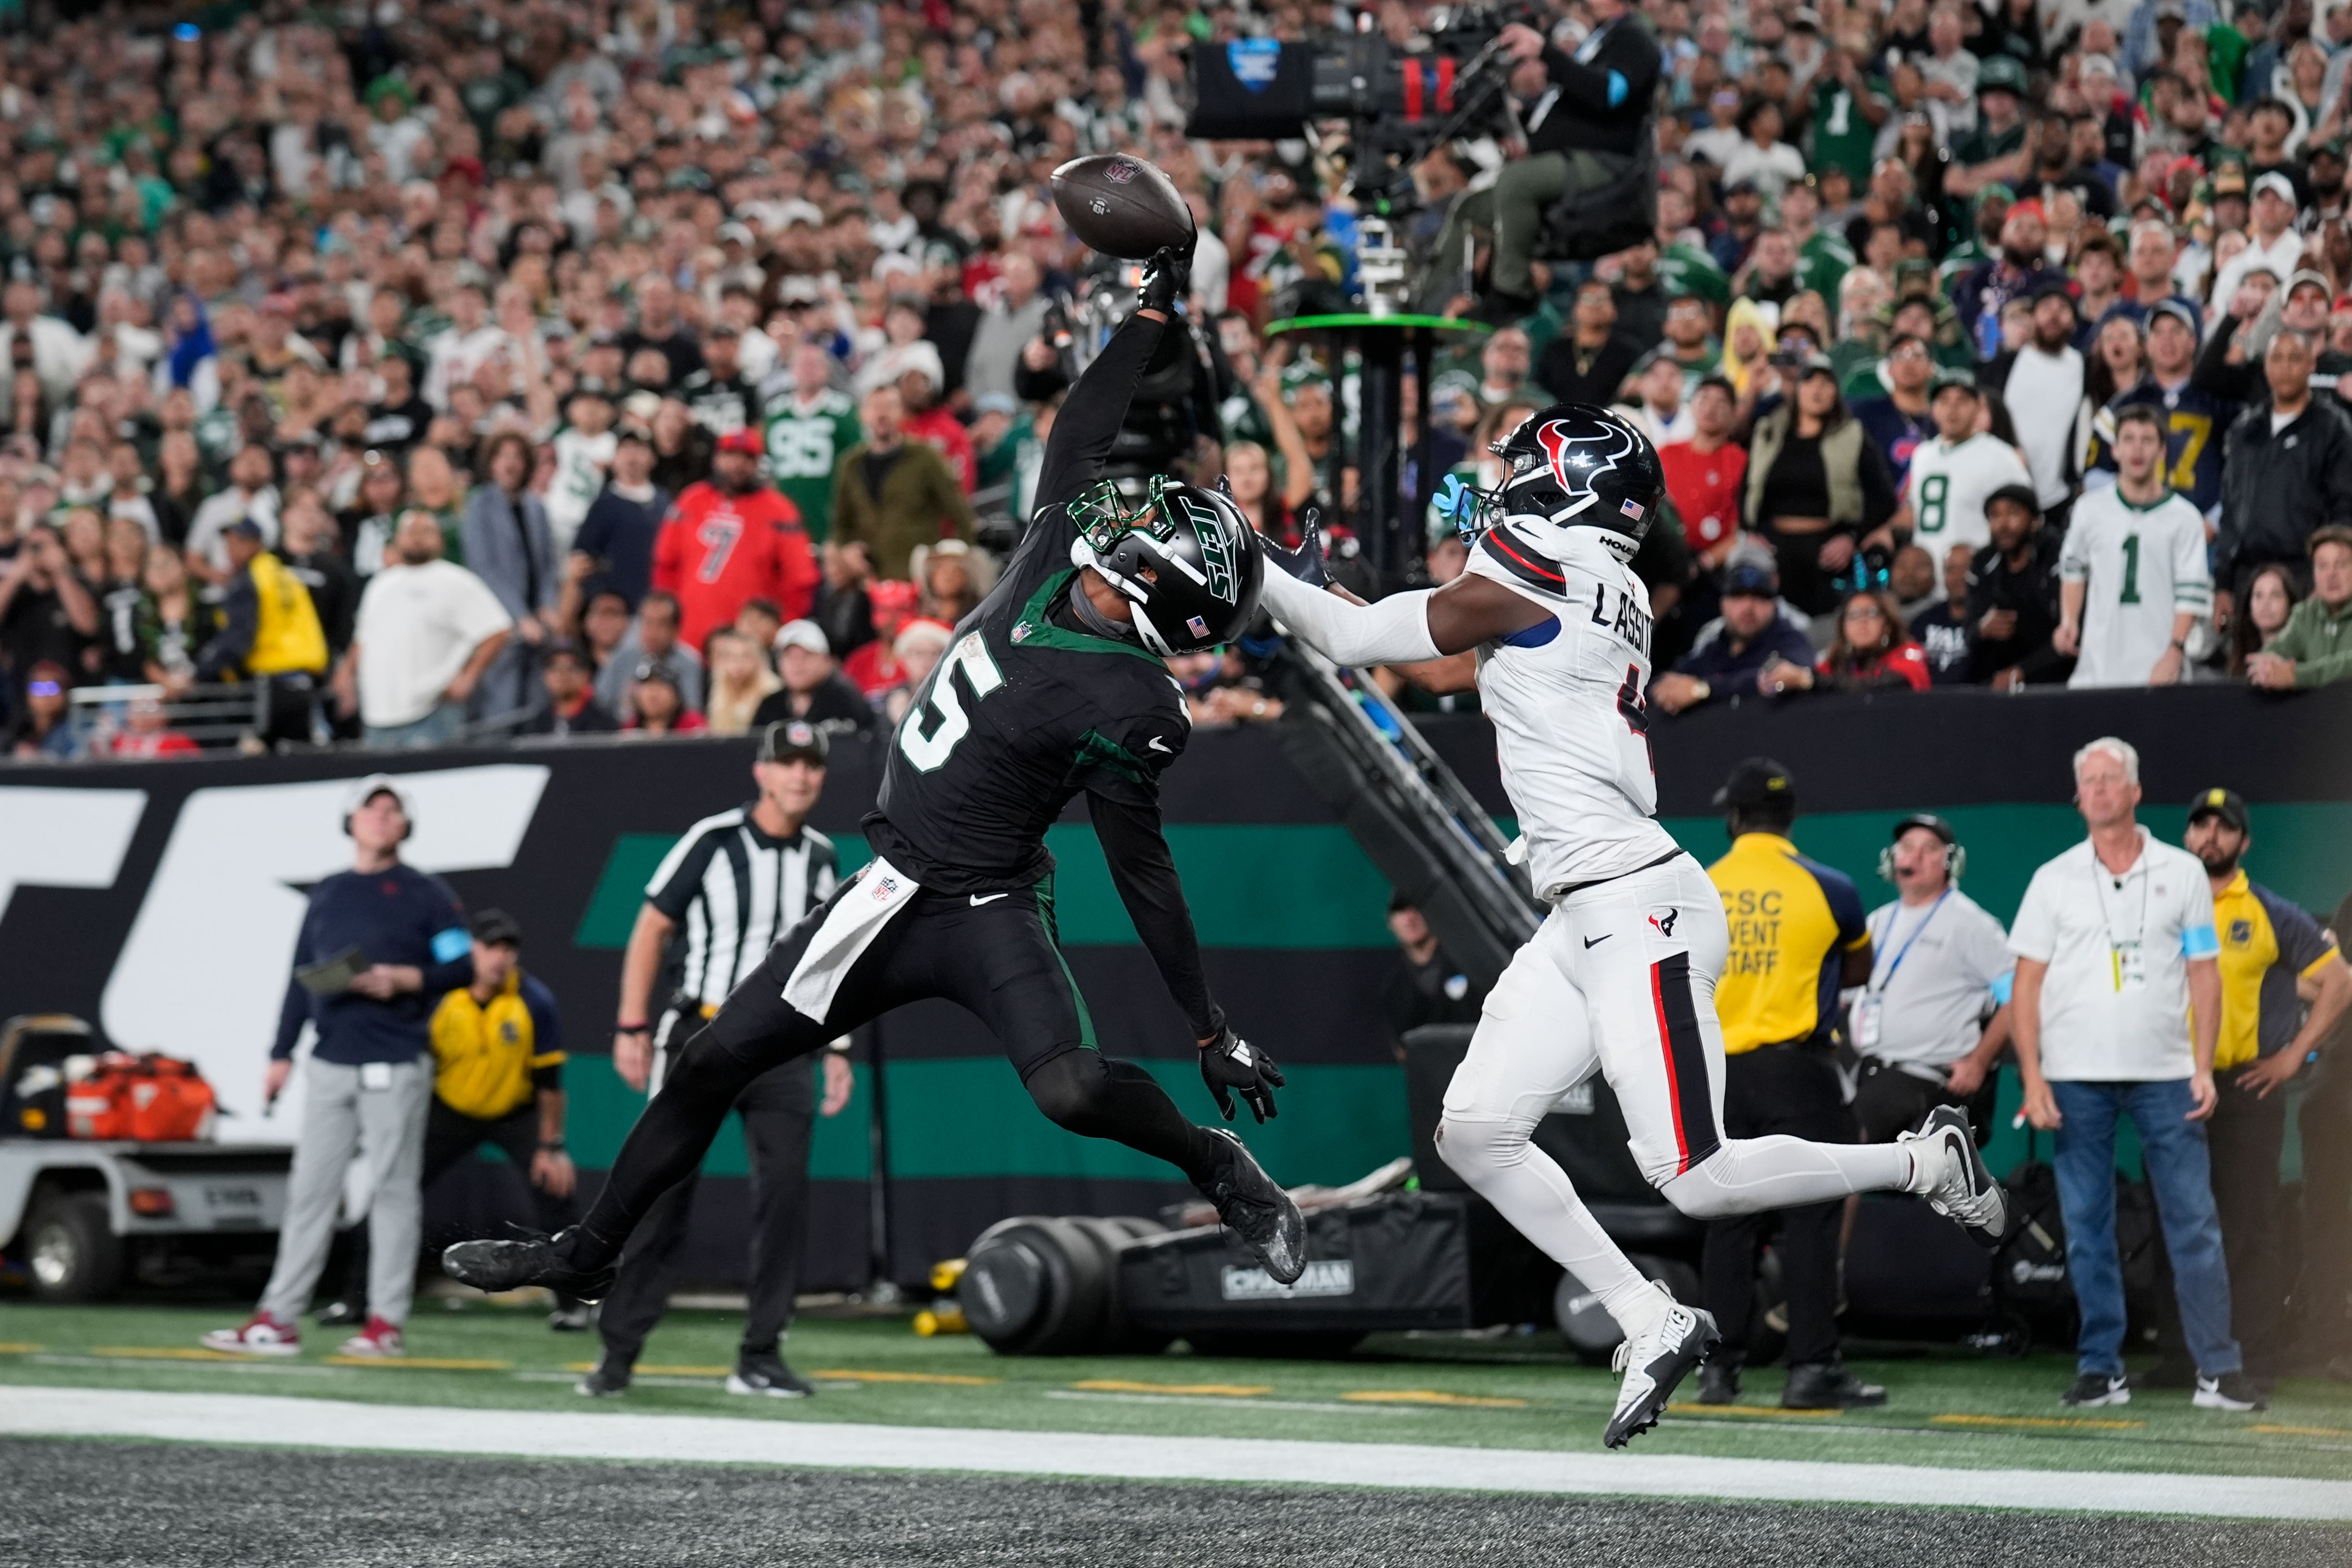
x,y
790,738
496,928
1750,579
2021,494
1758,781
2226,804
1931,822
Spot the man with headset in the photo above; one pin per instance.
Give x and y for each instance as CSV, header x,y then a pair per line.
x,y
380,945
1933,1018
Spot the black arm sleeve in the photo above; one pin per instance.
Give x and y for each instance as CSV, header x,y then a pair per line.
x,y
1145,874
2214,372
1091,415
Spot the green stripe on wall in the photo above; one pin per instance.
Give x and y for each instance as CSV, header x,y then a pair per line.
x,y
1306,886
970,1117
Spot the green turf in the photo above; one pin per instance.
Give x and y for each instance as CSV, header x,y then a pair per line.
x,y
1542,1398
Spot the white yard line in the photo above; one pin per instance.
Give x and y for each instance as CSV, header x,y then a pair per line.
x,y
1222,1402
280,1422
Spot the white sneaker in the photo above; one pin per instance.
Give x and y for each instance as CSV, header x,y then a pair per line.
x,y
1655,1362
2230,1391
1964,1190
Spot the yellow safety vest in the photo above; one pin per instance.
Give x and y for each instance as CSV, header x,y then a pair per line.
x,y
483,1052
286,636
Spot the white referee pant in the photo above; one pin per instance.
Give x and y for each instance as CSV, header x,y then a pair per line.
x,y
1620,980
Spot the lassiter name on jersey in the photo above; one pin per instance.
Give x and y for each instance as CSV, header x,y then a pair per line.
x,y
1571,725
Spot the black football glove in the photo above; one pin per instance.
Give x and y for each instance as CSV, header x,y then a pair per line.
x,y
1166,278
1231,1063
1307,562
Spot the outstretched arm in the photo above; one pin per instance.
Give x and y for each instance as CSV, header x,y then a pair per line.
x,y
1403,628
1091,414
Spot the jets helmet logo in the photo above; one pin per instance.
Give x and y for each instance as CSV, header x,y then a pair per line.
x,y
1578,461
1215,559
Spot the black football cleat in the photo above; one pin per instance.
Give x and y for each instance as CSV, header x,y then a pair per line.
x,y
1256,1210
609,1380
527,1260
1655,1362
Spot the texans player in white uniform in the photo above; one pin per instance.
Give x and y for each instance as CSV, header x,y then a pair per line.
x,y
1619,978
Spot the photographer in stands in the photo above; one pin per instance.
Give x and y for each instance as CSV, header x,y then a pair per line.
x,y
1583,132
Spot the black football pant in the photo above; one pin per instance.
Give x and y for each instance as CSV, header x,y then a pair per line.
x,y
996,954
1794,1090
779,1111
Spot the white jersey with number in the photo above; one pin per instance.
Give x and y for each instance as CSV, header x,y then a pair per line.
x,y
582,462
2143,566
1566,699
1946,488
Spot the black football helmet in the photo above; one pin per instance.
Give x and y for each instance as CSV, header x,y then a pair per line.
x,y
1572,466
1186,556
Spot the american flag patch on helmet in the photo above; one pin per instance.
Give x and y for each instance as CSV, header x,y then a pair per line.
x,y
1633,510
1199,627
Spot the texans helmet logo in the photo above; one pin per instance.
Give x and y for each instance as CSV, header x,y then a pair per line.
x,y
1578,461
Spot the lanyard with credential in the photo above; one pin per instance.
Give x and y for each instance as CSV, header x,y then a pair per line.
x,y
2115,950
1878,984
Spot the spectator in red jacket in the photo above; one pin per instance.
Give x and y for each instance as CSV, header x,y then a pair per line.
x,y
1872,647
728,540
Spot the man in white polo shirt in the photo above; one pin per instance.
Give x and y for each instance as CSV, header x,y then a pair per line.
x,y
2117,1010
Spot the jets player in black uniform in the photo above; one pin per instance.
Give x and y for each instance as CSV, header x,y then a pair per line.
x,y
1054,687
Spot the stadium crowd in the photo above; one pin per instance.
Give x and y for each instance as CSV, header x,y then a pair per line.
x,y
671,369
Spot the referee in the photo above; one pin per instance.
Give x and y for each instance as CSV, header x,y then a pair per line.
x,y
728,891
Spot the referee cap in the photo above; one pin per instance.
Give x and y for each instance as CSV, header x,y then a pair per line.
x,y
1757,781
2226,804
788,740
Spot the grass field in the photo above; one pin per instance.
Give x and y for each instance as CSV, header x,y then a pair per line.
x,y
1522,1393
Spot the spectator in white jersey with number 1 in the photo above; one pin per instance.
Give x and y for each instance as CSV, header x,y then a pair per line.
x,y
2132,580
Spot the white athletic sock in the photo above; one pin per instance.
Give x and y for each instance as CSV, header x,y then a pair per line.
x,y
1527,1187
1749,1176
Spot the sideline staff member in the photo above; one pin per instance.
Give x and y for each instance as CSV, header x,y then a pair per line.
x,y
1797,936
498,1077
1582,133
1920,1026
736,883
366,1084
2267,945
2115,968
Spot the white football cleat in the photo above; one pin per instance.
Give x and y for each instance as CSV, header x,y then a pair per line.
x,y
1655,1362
1964,1189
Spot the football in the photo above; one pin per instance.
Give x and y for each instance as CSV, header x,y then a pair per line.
x,y
1122,206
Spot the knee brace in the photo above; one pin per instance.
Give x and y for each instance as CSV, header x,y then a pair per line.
x,y
1475,1148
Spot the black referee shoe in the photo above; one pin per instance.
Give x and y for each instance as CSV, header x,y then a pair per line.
x,y
764,1372
1258,1210
530,1259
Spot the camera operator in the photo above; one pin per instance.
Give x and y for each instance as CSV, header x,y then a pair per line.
x,y
1583,132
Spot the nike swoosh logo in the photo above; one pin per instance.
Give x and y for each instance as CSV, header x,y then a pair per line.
x,y
1592,942
980,899
1157,745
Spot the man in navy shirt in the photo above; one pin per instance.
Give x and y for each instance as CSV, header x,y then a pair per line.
x,y
1733,653
402,935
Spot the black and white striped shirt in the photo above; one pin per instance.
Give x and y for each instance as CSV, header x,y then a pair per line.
x,y
734,891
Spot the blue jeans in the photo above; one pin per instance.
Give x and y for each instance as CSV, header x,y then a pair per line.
x,y
439,728
2180,1173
